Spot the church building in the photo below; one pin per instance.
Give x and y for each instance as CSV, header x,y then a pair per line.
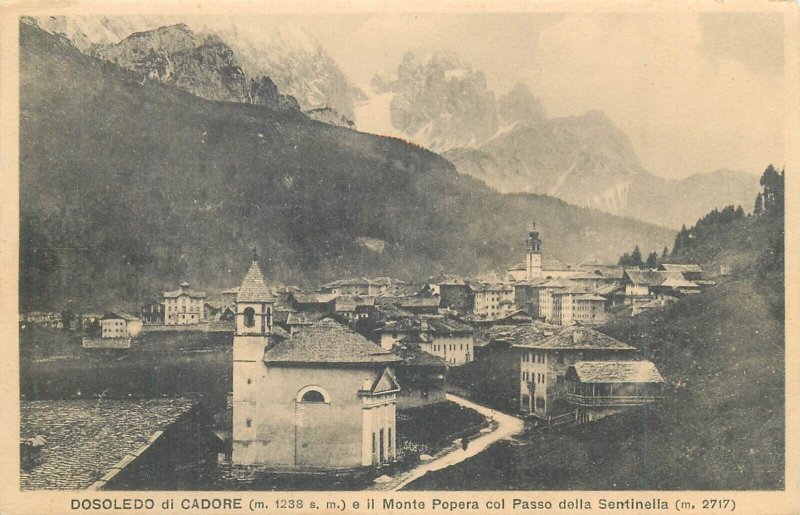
x,y
322,400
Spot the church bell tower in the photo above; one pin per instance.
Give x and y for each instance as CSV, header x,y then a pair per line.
x,y
533,258
254,308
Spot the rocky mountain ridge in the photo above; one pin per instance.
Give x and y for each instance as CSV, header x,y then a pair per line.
x,y
440,102
129,187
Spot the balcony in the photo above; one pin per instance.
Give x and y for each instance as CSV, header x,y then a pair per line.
x,y
611,400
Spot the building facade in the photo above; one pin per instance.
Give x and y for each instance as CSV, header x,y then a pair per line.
x,y
578,306
493,300
183,306
543,362
153,312
601,388
114,325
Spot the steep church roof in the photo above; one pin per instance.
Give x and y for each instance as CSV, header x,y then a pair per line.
x,y
254,286
327,341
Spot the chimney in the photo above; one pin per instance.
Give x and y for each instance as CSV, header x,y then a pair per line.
x,y
576,336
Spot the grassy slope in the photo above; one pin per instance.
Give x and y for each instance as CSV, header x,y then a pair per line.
x,y
128,188
724,430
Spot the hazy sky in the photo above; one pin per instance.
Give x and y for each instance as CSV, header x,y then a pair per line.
x,y
694,91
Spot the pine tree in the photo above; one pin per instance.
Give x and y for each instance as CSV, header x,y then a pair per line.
x,y
652,260
680,241
636,257
664,254
759,207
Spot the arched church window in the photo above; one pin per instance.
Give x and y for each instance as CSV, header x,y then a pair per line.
x,y
312,394
249,317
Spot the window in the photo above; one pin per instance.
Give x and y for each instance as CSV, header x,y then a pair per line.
x,y
249,422
313,396
249,317
382,447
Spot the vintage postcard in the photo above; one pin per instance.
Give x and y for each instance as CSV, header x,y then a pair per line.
x,y
310,257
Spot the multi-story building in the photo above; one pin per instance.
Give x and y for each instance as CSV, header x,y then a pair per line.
x,y
153,312
183,306
493,300
114,325
545,291
577,305
544,359
451,340
441,336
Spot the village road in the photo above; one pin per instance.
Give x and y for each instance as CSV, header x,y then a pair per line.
x,y
507,426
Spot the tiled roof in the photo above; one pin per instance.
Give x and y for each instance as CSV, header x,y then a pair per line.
x,y
485,335
386,281
607,289
328,342
359,281
559,282
295,318
414,338
447,325
618,372
87,437
650,277
446,279
607,271
507,317
674,267
229,291
109,315
403,325
554,264
254,286
679,282
494,287
418,301
390,311
590,296
184,290
413,356
536,281
314,298
350,302
573,338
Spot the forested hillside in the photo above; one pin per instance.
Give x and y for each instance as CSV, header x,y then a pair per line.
x,y
722,354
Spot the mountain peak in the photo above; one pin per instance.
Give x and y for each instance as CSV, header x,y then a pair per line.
x,y
519,107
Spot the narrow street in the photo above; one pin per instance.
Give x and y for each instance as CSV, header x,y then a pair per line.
x,y
507,426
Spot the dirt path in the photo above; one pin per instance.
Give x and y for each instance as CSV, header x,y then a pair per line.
x,y
507,426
